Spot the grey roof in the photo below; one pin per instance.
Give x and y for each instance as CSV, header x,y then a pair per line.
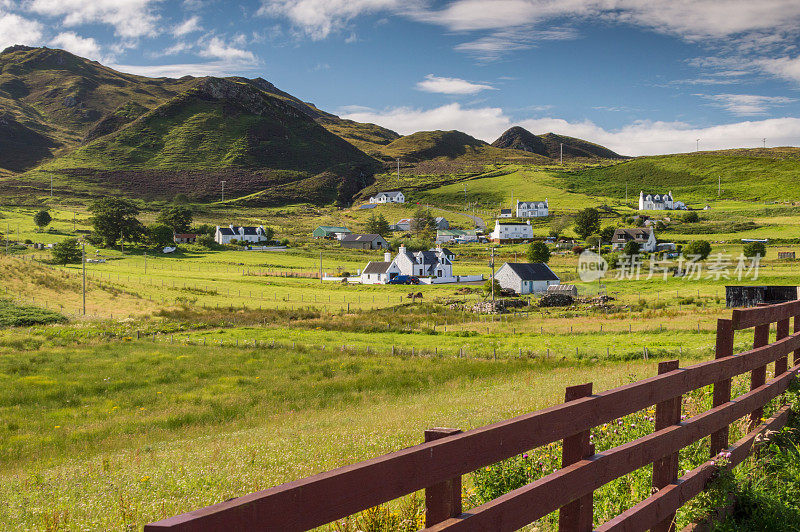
x,y
226,231
445,251
360,238
391,193
505,211
637,234
376,267
529,204
532,271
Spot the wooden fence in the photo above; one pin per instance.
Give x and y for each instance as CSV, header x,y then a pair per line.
x,y
438,464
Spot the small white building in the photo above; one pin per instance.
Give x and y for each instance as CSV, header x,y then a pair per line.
x,y
224,235
532,209
375,271
511,232
458,236
526,277
506,213
644,236
659,202
394,196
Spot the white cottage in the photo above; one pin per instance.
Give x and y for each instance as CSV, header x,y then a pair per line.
x,y
224,235
375,271
658,202
394,196
644,236
526,277
511,232
532,209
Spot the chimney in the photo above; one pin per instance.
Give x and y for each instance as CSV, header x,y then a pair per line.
x,y
402,248
387,257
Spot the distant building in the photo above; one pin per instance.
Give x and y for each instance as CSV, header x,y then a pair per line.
x,y
456,236
420,264
506,213
644,236
330,231
364,242
224,235
375,272
394,196
184,238
511,232
532,209
406,223
526,277
659,202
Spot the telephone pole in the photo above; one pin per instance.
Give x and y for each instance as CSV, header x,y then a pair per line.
x,y
561,156
83,267
465,196
492,278
320,267
145,263
223,191
698,144
398,168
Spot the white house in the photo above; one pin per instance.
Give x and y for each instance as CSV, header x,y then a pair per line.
x,y
421,264
526,277
506,213
224,235
375,271
532,209
644,236
658,202
394,196
456,235
511,232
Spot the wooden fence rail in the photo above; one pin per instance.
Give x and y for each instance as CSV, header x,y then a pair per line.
x,y
438,464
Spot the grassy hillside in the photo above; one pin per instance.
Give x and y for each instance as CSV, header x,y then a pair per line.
x,y
550,145
369,138
752,175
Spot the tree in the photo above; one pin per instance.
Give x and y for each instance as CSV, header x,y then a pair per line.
x,y
587,222
631,248
382,226
115,219
206,240
159,235
423,221
691,217
755,249
538,252
487,287
593,240
700,248
607,233
42,219
558,225
67,252
269,233
178,218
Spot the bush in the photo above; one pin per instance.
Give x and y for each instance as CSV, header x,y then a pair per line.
x,y
487,287
577,250
631,248
691,217
753,249
67,252
700,248
206,240
42,219
538,252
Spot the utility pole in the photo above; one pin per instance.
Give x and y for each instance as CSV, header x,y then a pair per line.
x,y
561,157
698,144
765,142
83,266
398,168
626,193
223,191
320,267
492,278
465,197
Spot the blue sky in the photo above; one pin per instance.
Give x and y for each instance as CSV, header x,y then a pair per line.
x,y
638,76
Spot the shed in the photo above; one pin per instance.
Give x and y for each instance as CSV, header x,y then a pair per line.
x,y
329,231
364,242
566,289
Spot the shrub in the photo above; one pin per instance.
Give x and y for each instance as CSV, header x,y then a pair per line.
x,y
67,252
206,240
700,248
753,249
691,217
538,252
577,250
42,219
631,248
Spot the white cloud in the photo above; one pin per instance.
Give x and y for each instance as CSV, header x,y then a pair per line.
x,y
130,18
441,85
189,25
218,48
317,19
493,46
15,29
747,104
211,68
787,68
83,46
641,137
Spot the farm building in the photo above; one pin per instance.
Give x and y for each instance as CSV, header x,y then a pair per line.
x,y
532,209
364,242
457,236
224,235
184,238
394,196
511,232
526,277
644,236
566,289
330,231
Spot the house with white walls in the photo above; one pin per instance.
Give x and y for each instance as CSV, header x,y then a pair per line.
x,y
511,231
532,209
394,196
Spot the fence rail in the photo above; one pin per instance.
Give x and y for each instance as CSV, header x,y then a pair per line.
x,y
438,464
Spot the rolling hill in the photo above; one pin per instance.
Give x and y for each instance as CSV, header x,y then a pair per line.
x,y
431,145
550,144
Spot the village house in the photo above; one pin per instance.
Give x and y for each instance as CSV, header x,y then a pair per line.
x,y
532,209
526,277
330,231
354,241
224,235
659,202
375,271
644,236
431,267
394,196
457,236
406,223
511,232
506,213
184,238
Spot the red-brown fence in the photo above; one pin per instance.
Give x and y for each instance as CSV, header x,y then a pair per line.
x,y
438,464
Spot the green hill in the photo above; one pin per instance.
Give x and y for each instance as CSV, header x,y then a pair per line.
x,y
431,145
550,145
745,174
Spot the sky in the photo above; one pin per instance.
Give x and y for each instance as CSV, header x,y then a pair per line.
x,y
639,76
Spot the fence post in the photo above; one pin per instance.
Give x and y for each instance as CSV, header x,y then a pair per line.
x,y
758,377
577,515
782,364
665,470
722,389
442,500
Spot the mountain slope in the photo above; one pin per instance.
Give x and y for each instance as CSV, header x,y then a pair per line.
x,y
550,145
518,138
451,145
